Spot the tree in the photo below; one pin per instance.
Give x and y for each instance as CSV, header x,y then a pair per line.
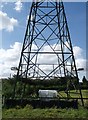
x,y
84,80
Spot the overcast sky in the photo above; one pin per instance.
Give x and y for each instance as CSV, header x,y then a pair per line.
x,y
13,21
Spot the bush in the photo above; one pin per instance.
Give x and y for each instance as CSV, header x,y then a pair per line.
x,y
18,107
28,106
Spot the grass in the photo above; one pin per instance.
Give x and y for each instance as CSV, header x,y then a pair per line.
x,y
29,112
74,95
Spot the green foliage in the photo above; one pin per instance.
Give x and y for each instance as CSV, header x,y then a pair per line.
x,y
7,87
84,80
28,112
28,106
32,87
18,107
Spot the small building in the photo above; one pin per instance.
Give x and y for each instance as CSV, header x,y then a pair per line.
x,y
47,93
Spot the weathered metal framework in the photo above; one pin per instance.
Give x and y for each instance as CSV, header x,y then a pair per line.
x,y
47,51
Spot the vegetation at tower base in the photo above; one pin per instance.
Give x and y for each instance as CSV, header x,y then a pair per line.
x,y
84,83
33,86
28,112
31,90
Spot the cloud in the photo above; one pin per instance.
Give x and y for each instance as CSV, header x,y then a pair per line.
x,y
10,58
27,17
53,59
79,57
81,63
18,6
78,52
6,22
1,6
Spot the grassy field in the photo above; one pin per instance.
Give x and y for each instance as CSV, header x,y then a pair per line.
x,y
73,95
28,112
47,113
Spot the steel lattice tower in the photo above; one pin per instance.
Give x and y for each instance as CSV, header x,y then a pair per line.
x,y
47,49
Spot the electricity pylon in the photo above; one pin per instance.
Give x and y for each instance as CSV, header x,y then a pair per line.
x,y
47,51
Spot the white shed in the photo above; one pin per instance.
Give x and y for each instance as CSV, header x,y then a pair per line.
x,y
47,93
